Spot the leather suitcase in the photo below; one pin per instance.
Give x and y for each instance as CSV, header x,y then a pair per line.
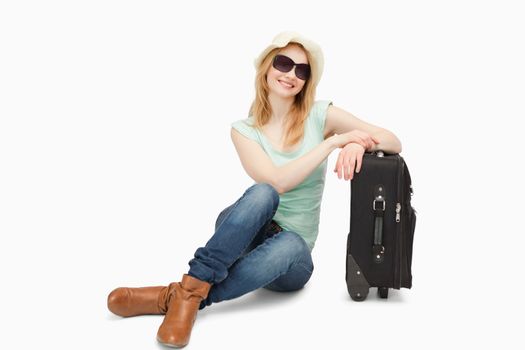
x,y
382,225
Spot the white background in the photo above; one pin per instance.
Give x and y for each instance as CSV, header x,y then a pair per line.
x,y
115,160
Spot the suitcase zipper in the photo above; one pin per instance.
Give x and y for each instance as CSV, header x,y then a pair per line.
x,y
398,212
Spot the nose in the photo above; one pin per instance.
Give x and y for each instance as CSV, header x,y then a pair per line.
x,y
291,74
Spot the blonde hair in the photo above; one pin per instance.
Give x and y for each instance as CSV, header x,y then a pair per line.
x,y
261,109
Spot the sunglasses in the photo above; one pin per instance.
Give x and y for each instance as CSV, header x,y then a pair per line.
x,y
285,64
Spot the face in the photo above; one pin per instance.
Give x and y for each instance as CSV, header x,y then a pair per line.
x,y
287,84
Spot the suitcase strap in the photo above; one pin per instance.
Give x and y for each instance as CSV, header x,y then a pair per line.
x,y
378,205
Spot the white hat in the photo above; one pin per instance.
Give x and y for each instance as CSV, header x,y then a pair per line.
x,y
284,38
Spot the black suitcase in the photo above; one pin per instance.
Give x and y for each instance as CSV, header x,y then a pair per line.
x,y
382,224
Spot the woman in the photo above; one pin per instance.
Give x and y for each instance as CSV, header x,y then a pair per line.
x,y
265,238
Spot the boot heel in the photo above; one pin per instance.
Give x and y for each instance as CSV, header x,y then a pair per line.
x,y
175,330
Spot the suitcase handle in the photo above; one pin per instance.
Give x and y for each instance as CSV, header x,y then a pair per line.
x,y
378,205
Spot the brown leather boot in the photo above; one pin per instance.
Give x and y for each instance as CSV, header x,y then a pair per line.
x,y
128,302
175,330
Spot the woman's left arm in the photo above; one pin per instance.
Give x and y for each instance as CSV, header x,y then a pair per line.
x,y
339,121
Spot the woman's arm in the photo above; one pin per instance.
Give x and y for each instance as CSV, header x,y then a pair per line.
x,y
260,167
339,121
350,157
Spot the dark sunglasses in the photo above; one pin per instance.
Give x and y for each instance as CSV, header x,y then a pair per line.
x,y
285,64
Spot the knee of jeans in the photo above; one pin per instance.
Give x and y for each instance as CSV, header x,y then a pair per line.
x,y
265,193
286,283
294,246
221,216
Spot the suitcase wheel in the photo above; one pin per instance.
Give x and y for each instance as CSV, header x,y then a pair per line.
x,y
383,292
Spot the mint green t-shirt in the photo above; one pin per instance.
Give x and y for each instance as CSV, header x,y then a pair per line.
x,y
299,209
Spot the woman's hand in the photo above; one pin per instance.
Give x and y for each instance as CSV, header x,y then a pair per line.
x,y
349,159
355,136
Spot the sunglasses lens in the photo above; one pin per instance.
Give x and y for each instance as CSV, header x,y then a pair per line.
x,y
282,63
302,71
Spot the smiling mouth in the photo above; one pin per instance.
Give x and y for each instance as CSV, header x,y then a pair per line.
x,y
286,85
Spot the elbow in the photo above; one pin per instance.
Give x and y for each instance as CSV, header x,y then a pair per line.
x,y
389,143
274,182
393,149
279,188
278,184
395,144
282,190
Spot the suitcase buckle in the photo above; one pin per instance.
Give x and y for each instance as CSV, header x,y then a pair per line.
x,y
379,199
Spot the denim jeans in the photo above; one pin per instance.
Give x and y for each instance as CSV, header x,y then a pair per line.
x,y
244,254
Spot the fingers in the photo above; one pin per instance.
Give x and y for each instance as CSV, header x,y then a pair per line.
x,y
339,165
342,165
365,139
349,162
358,136
363,143
371,142
368,139
350,166
359,161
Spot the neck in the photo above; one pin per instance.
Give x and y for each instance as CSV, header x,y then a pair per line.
x,y
280,107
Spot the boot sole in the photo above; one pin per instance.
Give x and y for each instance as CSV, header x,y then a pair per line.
x,y
171,345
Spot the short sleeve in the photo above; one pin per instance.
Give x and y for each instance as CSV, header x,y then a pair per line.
x,y
244,127
318,113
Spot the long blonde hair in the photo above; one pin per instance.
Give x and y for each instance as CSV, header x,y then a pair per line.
x,y
261,109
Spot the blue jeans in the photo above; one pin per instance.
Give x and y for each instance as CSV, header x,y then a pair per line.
x,y
244,254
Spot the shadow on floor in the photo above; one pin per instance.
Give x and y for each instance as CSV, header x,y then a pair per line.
x,y
259,299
